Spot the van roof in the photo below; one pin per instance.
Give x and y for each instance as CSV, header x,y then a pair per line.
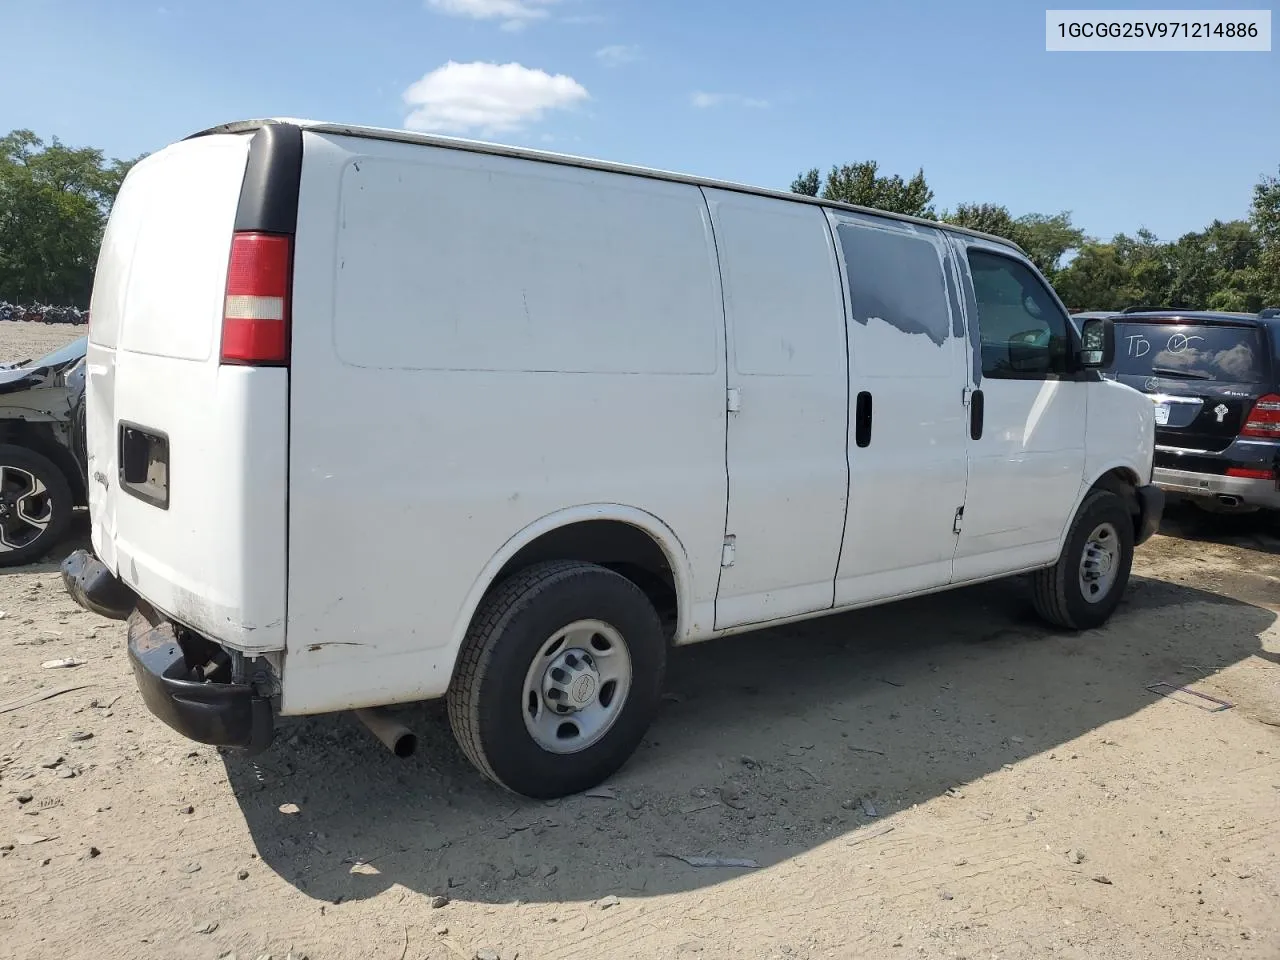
x,y
480,146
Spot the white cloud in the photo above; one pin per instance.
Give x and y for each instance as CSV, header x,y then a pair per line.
x,y
514,14
489,97
615,55
704,101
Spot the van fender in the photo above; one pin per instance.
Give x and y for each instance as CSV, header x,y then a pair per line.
x,y
663,535
1090,480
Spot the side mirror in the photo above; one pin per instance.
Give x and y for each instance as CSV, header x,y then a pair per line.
x,y
1097,344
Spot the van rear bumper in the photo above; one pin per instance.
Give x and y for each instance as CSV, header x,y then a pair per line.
x,y
167,666
94,587
169,663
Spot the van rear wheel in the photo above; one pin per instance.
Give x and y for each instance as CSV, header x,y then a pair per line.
x,y
558,679
1084,587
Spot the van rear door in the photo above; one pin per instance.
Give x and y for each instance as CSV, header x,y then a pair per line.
x,y
186,455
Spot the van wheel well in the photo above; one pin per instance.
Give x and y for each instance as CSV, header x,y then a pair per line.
x,y
621,547
1124,484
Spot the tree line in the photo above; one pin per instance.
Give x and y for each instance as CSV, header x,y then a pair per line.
x,y
54,202
1230,265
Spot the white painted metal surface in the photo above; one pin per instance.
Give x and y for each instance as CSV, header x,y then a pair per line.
x,y
481,342
1026,469
786,443
489,345
215,558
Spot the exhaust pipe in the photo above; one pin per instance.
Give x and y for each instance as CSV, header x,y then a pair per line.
x,y
1227,500
393,734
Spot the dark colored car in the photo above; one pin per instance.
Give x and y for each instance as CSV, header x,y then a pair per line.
x,y
42,479
1215,381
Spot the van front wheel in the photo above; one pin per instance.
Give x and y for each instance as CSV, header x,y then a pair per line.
x,y
558,679
1084,587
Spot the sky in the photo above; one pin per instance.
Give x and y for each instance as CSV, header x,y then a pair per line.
x,y
753,91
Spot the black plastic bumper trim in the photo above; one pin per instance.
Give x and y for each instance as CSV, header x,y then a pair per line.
x,y
94,587
1150,511
222,714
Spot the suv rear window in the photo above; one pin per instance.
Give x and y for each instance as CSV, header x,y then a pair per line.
x,y
1193,351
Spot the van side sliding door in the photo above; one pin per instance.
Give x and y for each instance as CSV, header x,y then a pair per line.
x,y
787,401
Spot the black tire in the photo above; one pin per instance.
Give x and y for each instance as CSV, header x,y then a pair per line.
x,y
485,698
56,504
1057,592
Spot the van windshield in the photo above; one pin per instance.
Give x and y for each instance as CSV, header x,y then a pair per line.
x,y
1190,351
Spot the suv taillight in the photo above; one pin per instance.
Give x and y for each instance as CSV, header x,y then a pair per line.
x,y
1264,419
255,316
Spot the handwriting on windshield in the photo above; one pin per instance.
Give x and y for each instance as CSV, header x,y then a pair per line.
x,y
1139,346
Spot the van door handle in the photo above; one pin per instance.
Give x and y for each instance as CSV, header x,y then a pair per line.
x,y
976,408
862,420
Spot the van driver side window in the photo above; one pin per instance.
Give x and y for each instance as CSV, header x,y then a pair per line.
x,y
1024,331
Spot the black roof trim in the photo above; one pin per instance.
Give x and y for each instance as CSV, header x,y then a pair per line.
x,y
269,194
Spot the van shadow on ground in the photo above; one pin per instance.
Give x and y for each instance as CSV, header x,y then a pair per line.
x,y
765,748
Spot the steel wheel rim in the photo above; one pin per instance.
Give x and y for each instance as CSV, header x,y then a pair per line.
x,y
26,508
1100,563
576,687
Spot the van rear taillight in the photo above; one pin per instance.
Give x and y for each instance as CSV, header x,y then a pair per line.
x,y
255,318
1264,419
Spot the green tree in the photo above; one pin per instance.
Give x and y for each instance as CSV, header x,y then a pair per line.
x,y
987,217
54,201
1265,220
1149,267
1095,280
1047,238
1215,269
861,184
808,183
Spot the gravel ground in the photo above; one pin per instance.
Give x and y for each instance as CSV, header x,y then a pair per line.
x,y
937,778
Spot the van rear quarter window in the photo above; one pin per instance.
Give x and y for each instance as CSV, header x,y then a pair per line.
x,y
495,263
1194,351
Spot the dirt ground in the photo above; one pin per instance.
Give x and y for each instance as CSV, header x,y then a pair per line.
x,y
31,341
937,778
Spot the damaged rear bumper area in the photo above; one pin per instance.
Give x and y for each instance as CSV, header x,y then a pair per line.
x,y
189,682
94,587
185,680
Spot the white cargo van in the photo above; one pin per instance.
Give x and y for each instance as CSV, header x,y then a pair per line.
x,y
376,417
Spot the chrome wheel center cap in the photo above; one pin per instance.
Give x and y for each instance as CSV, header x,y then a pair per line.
x,y
572,682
